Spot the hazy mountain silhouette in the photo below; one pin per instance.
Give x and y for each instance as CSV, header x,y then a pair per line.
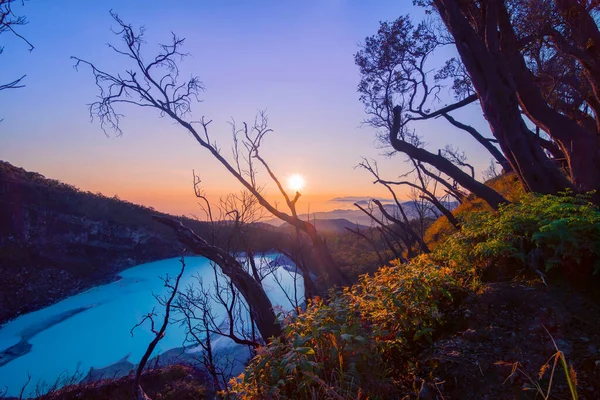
x,y
356,216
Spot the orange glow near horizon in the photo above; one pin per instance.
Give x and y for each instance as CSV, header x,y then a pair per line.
x,y
317,138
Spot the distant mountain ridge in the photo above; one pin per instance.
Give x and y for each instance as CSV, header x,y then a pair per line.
x,y
328,225
356,216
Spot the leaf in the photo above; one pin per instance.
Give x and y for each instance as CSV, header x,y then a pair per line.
x,y
305,350
347,337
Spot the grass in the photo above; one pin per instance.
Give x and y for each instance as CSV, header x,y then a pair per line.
x,y
551,365
507,185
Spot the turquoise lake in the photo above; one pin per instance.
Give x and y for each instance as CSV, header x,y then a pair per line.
x,y
100,335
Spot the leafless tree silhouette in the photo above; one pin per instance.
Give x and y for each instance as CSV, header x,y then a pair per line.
x,y
138,391
9,23
155,83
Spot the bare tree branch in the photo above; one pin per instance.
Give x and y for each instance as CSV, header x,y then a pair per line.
x,y
139,393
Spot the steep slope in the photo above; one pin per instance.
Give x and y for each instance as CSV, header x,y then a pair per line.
x,y
507,185
56,240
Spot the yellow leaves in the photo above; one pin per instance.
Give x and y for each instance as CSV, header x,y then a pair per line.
x,y
589,46
351,341
572,375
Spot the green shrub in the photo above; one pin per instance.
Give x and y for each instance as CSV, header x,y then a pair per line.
x,y
357,344
363,342
544,230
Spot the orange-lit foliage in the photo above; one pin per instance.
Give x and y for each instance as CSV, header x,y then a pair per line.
x,y
507,185
359,344
540,232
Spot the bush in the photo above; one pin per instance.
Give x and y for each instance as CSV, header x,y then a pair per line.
x,y
363,343
359,343
543,231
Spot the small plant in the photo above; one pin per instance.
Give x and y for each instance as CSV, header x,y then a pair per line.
x,y
551,365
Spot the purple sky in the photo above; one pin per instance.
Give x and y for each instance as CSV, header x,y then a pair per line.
x,y
294,59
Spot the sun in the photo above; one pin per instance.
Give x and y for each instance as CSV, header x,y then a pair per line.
x,y
296,182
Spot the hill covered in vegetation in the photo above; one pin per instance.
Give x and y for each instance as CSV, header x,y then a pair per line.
x,y
56,240
504,308
501,309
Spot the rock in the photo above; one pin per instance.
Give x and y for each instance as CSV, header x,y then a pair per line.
x,y
564,346
471,335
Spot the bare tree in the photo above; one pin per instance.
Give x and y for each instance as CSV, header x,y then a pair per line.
x,y
219,309
156,84
391,230
490,172
139,393
194,306
9,23
254,294
421,184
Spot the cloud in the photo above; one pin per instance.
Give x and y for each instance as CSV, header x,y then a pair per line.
x,y
360,199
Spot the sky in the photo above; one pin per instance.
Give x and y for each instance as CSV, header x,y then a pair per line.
x,y
292,59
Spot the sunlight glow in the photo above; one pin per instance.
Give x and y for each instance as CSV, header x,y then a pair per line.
x,y
296,182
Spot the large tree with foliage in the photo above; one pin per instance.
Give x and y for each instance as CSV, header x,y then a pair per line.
x,y
398,92
533,67
538,61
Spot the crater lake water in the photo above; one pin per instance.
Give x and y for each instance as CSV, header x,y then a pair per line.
x,y
92,329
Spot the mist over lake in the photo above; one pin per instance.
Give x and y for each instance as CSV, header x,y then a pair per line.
x,y
92,329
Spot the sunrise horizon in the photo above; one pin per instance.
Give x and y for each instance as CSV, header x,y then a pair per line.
x,y
151,161
321,199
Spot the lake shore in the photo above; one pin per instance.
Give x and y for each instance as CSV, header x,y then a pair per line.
x,y
23,346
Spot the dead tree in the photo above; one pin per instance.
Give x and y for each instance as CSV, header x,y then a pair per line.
x,y
420,184
261,309
194,310
193,305
156,84
138,392
231,224
391,235
9,23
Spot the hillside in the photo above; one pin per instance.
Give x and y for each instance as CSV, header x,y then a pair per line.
x,y
505,308
56,240
472,318
507,185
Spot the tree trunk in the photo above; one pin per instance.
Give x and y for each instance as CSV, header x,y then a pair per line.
x,y
497,93
487,194
586,35
333,274
260,306
580,147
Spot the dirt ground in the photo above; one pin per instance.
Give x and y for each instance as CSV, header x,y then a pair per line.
x,y
515,322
